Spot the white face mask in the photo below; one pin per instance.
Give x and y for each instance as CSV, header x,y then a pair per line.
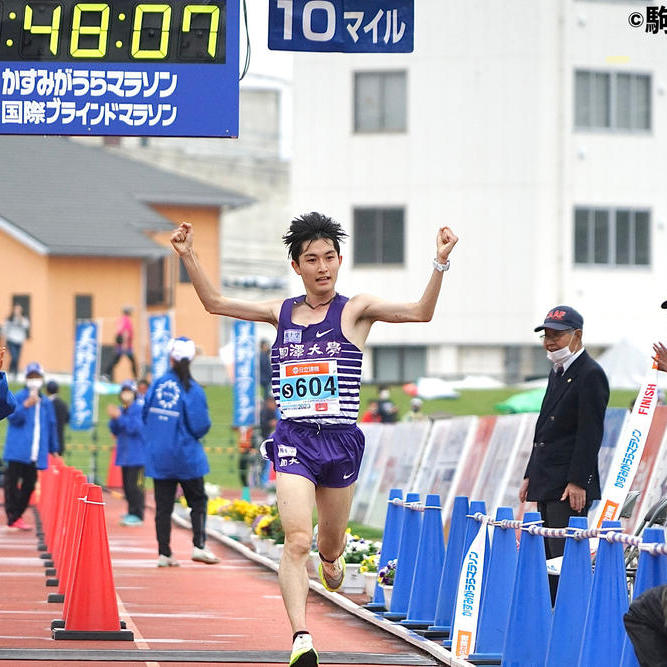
x,y
560,356
127,397
34,383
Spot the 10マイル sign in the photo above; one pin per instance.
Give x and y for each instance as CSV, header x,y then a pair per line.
x,y
351,26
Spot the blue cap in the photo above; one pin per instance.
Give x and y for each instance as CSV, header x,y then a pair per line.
x,y
34,367
129,384
562,318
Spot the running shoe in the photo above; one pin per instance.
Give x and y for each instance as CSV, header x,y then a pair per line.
x,y
303,653
167,561
332,574
132,520
204,556
21,524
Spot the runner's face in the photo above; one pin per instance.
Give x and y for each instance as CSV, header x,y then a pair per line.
x,y
318,266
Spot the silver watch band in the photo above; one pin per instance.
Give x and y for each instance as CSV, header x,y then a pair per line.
x,y
440,267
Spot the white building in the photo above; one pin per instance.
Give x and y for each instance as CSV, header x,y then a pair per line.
x,y
538,132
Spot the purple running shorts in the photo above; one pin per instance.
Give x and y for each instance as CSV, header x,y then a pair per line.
x,y
328,454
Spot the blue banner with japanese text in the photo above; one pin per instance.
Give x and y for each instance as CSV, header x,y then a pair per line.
x,y
160,332
350,26
154,68
244,374
86,345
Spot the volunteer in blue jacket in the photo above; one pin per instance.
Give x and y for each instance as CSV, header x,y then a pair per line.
x,y
176,416
31,436
7,400
127,425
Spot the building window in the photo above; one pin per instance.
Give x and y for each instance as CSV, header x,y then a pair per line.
x,y
83,307
378,236
158,292
394,364
615,236
612,100
380,102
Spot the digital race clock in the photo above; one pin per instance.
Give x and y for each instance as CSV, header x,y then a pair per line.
x,y
124,67
119,31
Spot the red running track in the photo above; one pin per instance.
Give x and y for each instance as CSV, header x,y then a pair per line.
x,y
232,606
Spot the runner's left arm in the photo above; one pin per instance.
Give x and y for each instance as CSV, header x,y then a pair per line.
x,y
376,309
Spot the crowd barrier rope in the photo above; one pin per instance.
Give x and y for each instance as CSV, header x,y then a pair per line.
x,y
490,602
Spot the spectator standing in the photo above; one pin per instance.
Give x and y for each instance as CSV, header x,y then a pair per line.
x,y
415,413
142,390
61,410
31,436
123,341
661,351
372,413
7,400
386,407
127,425
16,331
176,417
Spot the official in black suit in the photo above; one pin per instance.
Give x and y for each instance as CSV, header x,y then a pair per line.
x,y
562,473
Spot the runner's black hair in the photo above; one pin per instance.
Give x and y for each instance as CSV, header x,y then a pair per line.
x,y
310,227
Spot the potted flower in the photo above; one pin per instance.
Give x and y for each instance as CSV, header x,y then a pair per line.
x,y
262,530
369,570
386,577
356,550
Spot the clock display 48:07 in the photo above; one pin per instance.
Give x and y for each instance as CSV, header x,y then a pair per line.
x,y
115,31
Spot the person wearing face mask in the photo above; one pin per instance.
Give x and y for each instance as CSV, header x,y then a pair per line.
x,y
127,425
562,473
31,436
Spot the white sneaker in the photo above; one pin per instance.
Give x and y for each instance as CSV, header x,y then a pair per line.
x,y
204,556
303,653
167,561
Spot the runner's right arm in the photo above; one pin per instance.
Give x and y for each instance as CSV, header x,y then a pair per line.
x,y
211,298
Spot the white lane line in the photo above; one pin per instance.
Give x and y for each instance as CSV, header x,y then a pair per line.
x,y
139,641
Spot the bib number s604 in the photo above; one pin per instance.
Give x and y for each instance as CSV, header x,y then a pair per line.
x,y
309,389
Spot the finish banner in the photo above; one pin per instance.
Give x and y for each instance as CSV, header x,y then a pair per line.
x,y
628,452
86,345
469,596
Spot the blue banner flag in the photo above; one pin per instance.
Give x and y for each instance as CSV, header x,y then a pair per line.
x,y
86,345
350,26
160,332
244,373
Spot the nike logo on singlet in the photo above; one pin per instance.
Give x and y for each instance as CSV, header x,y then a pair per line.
x,y
347,476
319,334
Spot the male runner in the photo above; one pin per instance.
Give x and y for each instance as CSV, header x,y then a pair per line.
x,y
316,372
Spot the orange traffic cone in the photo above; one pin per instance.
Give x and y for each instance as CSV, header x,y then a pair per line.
x,y
68,538
114,473
93,610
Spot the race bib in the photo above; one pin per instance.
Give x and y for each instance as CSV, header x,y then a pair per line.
x,y
309,388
